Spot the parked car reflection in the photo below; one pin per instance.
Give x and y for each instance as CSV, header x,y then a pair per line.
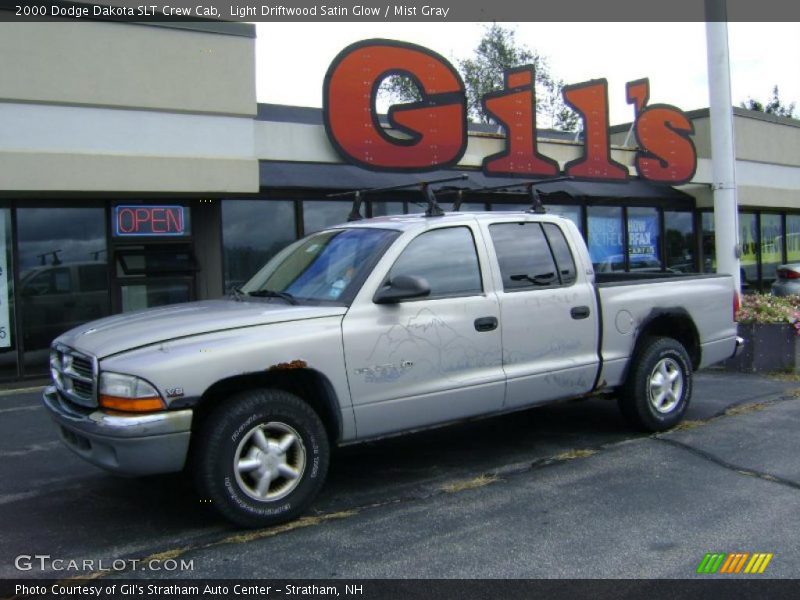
x,y
57,298
788,281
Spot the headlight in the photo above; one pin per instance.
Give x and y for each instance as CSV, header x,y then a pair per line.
x,y
128,393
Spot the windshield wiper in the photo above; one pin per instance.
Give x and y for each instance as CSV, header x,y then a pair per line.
x,y
236,293
273,294
541,279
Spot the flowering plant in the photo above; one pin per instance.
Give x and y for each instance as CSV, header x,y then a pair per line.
x,y
765,309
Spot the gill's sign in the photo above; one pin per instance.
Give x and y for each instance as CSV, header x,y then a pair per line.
x,y
435,127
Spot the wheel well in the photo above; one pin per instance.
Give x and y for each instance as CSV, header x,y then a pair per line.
x,y
310,385
675,324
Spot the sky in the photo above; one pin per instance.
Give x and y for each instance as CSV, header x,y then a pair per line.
x,y
291,58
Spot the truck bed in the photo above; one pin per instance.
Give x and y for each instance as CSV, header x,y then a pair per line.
x,y
630,301
609,279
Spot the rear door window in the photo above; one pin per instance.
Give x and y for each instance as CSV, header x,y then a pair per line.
x,y
524,256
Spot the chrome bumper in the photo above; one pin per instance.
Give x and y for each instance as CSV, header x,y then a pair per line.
x,y
131,445
739,347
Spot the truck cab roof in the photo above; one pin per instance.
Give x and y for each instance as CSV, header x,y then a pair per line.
x,y
420,221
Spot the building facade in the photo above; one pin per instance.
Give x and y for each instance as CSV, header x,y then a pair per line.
x,y
138,170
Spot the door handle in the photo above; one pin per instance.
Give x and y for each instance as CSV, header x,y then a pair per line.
x,y
486,324
580,312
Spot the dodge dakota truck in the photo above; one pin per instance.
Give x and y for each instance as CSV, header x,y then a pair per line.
x,y
374,328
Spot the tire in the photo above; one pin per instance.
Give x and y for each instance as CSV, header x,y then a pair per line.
x,y
281,448
658,389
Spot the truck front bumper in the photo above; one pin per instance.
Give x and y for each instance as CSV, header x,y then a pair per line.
x,y
130,445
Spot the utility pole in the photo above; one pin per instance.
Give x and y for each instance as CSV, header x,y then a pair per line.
x,y
723,152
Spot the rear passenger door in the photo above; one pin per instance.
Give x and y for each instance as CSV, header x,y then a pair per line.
x,y
548,314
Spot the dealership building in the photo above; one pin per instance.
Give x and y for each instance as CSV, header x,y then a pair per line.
x,y
137,169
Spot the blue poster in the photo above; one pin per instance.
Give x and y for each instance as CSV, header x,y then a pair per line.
x,y
605,242
643,237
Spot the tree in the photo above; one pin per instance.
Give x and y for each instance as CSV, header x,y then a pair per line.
x,y
773,107
497,51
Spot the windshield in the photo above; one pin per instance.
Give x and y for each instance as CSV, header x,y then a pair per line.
x,y
321,267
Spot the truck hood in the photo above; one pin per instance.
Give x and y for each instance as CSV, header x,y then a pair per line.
x,y
111,335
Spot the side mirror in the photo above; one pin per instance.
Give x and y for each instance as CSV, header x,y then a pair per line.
x,y
402,287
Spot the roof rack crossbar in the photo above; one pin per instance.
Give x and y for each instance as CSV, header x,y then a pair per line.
x,y
434,210
530,189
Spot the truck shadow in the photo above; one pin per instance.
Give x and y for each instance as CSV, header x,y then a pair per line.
x,y
141,511
409,465
420,463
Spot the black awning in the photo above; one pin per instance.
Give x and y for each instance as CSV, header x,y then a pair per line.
x,y
333,177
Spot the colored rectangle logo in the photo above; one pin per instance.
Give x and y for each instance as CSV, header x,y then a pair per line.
x,y
734,563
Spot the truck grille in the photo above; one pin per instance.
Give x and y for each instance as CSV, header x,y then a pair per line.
x,y
74,375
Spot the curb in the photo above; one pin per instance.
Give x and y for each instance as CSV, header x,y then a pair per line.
x,y
22,390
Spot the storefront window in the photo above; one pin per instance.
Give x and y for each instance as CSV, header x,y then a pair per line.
x,y
319,214
138,296
644,252
63,280
465,207
679,232
771,247
417,206
709,264
253,231
573,213
792,238
8,338
748,237
504,206
605,238
384,209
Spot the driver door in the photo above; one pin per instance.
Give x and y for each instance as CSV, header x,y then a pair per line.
x,y
427,360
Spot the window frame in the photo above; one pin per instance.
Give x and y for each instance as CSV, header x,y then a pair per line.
x,y
695,240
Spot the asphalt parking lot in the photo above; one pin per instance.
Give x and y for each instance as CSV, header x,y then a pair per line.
x,y
563,491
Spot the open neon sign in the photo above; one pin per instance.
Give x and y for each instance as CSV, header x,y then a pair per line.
x,y
150,221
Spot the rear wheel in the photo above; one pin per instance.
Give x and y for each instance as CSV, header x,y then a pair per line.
x,y
657,392
261,457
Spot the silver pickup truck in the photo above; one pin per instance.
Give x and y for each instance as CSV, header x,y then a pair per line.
x,y
375,328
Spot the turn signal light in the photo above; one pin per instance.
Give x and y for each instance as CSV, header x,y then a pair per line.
x,y
131,404
128,393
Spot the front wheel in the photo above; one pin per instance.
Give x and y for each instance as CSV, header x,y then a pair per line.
x,y
657,391
261,457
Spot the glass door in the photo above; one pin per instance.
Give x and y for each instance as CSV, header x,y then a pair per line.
x,y
148,275
153,256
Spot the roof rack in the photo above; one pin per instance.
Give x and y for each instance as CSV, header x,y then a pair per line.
x,y
536,200
433,210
